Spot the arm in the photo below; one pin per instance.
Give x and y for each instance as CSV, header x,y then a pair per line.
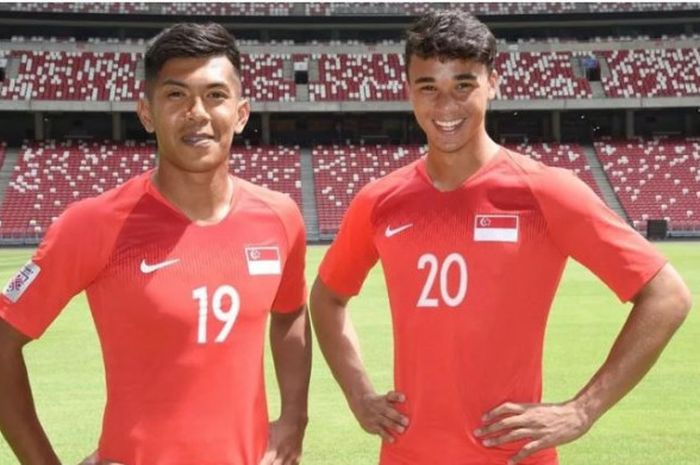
x,y
339,344
290,341
659,309
18,420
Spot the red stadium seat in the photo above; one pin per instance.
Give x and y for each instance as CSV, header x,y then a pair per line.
x,y
655,179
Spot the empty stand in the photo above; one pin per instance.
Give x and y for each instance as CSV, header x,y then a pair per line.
x,y
263,77
274,167
49,176
340,172
652,72
73,76
540,75
655,179
358,77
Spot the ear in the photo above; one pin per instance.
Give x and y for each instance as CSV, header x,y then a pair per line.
x,y
243,113
493,84
143,109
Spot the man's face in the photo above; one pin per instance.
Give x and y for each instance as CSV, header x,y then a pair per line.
x,y
194,108
450,99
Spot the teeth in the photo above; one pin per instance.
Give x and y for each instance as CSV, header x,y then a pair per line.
x,y
448,125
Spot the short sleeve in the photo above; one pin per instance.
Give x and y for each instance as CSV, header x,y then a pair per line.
x,y
583,227
292,290
353,253
63,265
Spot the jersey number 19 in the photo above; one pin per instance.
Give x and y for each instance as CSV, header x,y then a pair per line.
x,y
228,317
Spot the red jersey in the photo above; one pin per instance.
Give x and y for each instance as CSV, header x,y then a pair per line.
x,y
180,311
471,275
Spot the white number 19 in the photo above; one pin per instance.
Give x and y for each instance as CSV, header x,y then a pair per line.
x,y
228,317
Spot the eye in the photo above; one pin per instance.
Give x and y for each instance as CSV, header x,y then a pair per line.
x,y
464,86
427,89
218,95
174,94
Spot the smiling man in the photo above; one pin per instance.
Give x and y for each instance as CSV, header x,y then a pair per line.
x,y
181,266
473,239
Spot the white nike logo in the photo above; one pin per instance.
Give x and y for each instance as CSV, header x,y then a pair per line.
x,y
392,232
146,268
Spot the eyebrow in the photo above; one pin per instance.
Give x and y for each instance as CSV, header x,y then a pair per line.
x,y
174,82
456,77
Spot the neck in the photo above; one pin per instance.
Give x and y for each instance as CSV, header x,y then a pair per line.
x,y
449,170
205,198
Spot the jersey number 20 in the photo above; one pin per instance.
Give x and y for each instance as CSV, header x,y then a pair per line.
x,y
450,297
228,317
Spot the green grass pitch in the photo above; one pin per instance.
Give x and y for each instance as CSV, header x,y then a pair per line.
x,y
657,423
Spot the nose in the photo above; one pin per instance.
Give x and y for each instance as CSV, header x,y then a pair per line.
x,y
444,102
197,111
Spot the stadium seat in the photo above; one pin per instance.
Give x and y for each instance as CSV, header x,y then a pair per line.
x,y
652,73
49,176
655,179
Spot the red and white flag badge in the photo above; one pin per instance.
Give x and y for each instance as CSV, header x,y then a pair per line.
x,y
21,281
496,228
263,260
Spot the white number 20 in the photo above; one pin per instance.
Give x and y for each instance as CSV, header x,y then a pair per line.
x,y
228,317
431,261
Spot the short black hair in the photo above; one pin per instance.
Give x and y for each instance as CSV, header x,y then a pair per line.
x,y
450,35
190,40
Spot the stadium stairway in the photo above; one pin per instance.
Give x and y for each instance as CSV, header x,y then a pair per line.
x,y
308,196
8,167
601,179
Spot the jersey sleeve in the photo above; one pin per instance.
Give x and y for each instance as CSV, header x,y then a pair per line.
x,y
583,227
353,253
65,262
292,290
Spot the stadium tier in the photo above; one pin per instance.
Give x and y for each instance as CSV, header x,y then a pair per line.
x,y
264,79
111,76
49,176
540,75
342,8
652,73
655,179
83,76
358,77
340,171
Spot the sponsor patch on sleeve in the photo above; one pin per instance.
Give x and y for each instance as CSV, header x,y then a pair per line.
x,y
21,281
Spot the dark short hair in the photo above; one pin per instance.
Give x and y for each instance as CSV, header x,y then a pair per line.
x,y
190,40
450,35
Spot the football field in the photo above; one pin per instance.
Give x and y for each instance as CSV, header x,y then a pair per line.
x,y
658,423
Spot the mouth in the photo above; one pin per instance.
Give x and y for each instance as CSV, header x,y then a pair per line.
x,y
197,139
448,126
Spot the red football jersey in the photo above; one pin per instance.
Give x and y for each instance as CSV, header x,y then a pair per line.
x,y
471,275
180,311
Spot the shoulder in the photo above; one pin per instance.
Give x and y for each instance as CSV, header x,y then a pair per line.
x,y
280,203
387,185
541,178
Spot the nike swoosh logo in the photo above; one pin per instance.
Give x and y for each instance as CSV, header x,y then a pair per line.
x,y
392,232
146,268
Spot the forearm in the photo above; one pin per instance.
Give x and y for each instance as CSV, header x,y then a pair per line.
x,y
18,420
657,313
339,343
290,341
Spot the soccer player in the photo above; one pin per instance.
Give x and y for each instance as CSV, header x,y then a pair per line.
x,y
181,266
473,239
